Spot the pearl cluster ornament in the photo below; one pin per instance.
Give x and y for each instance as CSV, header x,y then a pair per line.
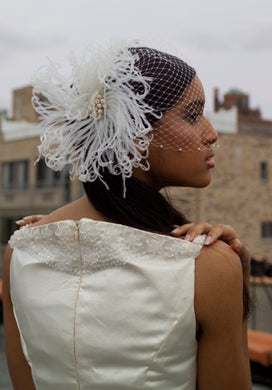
x,y
97,107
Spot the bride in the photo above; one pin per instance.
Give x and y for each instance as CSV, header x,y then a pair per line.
x,y
99,294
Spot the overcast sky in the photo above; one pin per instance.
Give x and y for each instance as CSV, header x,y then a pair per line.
x,y
228,42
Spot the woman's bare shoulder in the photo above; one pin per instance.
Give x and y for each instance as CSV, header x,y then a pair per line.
x,y
222,346
219,257
218,283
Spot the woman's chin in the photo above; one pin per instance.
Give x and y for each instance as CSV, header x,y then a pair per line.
x,y
205,181
200,182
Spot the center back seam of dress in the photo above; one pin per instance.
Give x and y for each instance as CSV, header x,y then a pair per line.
x,y
75,310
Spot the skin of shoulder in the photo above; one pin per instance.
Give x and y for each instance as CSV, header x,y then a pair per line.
x,y
218,269
223,360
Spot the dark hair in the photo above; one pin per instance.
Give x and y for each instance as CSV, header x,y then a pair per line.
x,y
143,207
169,75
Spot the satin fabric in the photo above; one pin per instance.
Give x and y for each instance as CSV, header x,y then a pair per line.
x,y
105,306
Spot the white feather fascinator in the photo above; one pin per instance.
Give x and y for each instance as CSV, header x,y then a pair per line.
x,y
93,118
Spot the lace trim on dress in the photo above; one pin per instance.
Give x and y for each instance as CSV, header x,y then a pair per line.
x,y
100,245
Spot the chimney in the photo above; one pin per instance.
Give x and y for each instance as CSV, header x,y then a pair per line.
x,y
216,99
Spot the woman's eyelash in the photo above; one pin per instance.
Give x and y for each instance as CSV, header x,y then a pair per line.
x,y
193,117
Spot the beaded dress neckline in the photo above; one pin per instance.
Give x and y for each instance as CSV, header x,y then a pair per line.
x,y
88,245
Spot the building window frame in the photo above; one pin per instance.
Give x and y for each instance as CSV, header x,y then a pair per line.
x,y
266,230
264,171
15,175
46,177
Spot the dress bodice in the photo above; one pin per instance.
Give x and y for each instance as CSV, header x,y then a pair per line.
x,y
105,306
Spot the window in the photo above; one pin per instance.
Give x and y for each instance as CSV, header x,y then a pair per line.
x,y
15,175
264,171
46,177
267,230
8,227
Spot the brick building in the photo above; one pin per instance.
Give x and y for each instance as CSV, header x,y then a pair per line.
x,y
22,106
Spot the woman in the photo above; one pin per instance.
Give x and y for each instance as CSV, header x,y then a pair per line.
x,y
100,294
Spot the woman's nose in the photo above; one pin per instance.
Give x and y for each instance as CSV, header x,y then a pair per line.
x,y
209,134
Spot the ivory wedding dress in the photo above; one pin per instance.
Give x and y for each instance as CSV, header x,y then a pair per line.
x,y
105,306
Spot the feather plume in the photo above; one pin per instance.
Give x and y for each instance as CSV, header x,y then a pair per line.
x,y
93,118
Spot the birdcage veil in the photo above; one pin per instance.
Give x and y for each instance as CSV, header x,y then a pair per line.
x,y
117,100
